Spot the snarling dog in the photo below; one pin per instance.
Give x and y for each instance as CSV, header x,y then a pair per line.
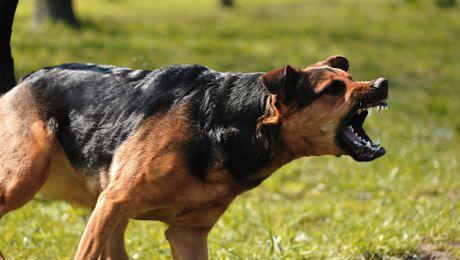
x,y
176,144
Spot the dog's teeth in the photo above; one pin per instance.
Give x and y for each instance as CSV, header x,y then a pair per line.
x,y
377,142
368,144
369,112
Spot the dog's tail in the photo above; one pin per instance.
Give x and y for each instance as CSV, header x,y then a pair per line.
x,y
7,11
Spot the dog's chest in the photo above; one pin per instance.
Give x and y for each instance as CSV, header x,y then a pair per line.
x,y
198,203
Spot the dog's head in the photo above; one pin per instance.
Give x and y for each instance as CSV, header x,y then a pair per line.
x,y
321,109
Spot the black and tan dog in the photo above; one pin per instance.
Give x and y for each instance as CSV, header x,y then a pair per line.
x,y
176,144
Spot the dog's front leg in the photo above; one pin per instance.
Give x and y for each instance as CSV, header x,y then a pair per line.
x,y
188,243
109,211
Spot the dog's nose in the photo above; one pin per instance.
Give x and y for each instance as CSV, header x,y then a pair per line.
x,y
380,83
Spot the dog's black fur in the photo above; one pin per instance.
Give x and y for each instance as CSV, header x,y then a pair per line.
x,y
94,108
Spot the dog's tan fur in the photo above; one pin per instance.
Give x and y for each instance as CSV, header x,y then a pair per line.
x,y
25,155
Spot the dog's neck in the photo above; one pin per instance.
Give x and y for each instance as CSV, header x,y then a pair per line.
x,y
270,152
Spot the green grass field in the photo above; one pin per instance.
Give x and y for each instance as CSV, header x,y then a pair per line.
x,y
406,204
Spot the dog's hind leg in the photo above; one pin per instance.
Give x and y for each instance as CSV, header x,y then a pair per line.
x,y
109,212
115,247
26,145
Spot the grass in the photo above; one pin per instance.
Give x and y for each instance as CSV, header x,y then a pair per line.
x,y
406,204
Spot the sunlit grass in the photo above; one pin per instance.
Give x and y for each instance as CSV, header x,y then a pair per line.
x,y
315,207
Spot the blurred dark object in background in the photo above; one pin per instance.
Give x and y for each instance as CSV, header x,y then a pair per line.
x,y
56,11
445,3
7,10
227,3
440,3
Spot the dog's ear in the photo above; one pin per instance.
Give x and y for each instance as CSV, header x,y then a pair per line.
x,y
282,82
337,61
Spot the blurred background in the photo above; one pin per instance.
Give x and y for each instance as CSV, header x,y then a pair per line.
x,y
405,205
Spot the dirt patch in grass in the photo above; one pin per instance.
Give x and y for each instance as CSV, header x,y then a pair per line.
x,y
432,252
427,251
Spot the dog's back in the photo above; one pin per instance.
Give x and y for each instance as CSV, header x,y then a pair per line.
x,y
94,108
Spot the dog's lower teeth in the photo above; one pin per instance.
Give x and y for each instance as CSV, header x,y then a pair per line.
x,y
363,143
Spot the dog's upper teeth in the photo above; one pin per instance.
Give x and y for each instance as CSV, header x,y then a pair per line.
x,y
368,144
377,142
369,112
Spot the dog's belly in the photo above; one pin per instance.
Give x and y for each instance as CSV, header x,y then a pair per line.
x,y
71,185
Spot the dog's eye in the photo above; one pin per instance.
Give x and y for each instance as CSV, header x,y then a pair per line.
x,y
334,88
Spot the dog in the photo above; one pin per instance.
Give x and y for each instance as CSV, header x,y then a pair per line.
x,y
175,144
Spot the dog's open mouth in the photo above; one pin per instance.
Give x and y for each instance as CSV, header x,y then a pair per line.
x,y
352,137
